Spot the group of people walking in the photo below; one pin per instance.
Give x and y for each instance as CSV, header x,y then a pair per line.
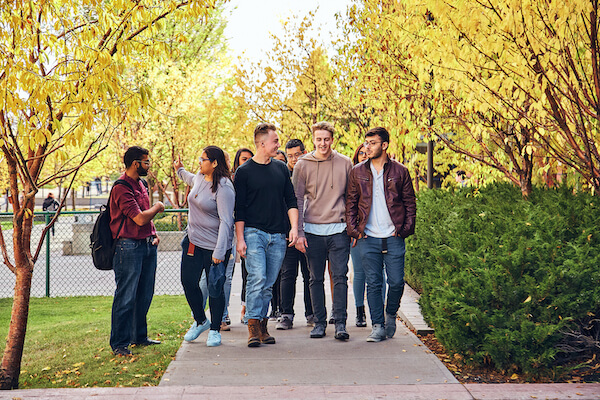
x,y
313,211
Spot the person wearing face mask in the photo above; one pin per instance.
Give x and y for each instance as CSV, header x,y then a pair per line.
x,y
134,261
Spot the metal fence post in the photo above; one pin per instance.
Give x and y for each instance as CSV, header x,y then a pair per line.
x,y
47,256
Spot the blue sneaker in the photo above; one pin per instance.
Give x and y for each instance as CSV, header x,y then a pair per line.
x,y
214,339
195,330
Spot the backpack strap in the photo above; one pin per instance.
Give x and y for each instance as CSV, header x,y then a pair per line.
x,y
145,185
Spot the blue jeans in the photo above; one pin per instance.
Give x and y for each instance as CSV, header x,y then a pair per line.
x,y
264,255
134,264
336,249
359,281
373,260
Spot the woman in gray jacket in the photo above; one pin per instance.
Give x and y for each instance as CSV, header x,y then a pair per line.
x,y
209,236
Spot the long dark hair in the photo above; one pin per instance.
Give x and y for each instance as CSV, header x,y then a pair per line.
x,y
215,153
283,154
236,160
355,158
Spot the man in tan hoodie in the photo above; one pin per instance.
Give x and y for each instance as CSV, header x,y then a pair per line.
x,y
319,180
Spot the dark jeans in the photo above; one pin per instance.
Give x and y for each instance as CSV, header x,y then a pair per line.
x,y
134,264
191,270
276,300
289,273
373,259
336,249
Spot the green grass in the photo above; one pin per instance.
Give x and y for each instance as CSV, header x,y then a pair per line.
x,y
6,225
67,343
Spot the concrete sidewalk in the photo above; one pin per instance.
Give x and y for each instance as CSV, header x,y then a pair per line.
x,y
297,367
507,391
296,359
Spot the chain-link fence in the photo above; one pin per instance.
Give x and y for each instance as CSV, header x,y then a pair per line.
x,y
65,268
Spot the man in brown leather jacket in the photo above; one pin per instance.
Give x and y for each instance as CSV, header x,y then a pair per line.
x,y
380,214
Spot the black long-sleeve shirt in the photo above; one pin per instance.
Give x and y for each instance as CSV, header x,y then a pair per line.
x,y
263,195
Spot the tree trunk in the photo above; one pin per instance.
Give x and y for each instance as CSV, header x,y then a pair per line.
x,y
13,352
525,177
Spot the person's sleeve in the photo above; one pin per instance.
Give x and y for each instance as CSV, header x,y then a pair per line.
x,y
241,184
186,176
410,206
225,206
352,197
126,201
299,185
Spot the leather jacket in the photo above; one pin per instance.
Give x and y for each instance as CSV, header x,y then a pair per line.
x,y
399,196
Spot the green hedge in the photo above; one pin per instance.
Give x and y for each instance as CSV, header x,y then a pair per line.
x,y
168,221
508,282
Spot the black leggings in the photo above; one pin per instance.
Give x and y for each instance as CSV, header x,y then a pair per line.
x,y
191,271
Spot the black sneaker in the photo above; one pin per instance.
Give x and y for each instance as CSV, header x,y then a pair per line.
x,y
122,352
340,331
361,318
331,319
318,331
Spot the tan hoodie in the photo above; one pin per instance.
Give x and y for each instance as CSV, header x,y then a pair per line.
x,y
320,187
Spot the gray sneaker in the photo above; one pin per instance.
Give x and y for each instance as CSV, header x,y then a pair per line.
x,y
285,323
377,334
390,325
340,331
310,320
318,331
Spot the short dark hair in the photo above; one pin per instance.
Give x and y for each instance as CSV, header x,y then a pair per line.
x,y
379,131
134,153
295,143
263,129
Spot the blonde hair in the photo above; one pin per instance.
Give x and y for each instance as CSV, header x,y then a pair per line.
x,y
323,126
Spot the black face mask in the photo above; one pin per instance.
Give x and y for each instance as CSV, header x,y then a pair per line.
x,y
141,170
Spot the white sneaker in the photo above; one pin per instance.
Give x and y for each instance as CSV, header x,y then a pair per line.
x,y
377,334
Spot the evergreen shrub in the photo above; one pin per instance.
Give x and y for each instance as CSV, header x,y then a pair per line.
x,y
508,282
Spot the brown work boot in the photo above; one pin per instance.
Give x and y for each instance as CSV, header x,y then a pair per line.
x,y
253,333
265,338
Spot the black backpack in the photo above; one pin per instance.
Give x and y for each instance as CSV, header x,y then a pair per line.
x,y
101,241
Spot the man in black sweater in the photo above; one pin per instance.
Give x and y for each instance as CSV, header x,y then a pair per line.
x,y
264,195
